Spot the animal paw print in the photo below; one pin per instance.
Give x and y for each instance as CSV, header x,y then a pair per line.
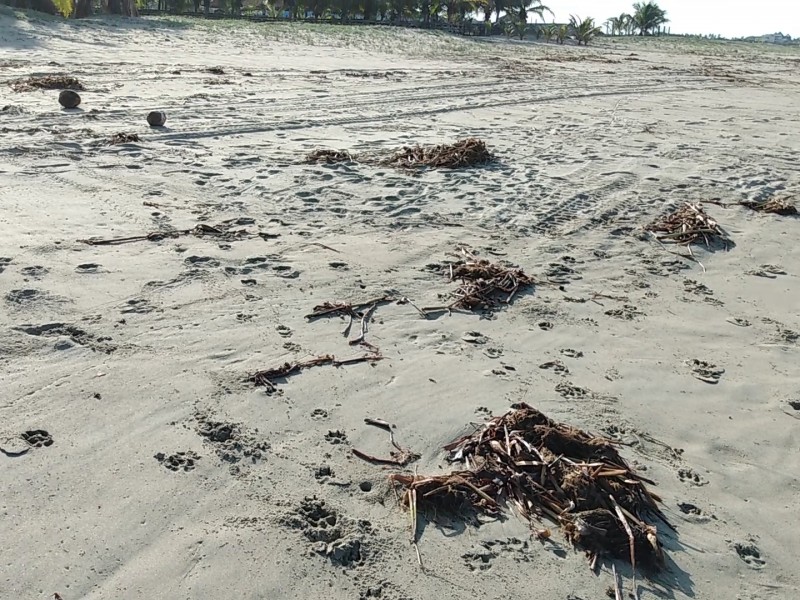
x,y
557,366
38,438
705,371
180,461
336,437
690,477
750,554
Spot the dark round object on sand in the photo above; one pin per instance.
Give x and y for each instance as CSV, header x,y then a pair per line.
x,y
157,118
69,99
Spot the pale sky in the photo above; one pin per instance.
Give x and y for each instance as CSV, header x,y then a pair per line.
x,y
730,18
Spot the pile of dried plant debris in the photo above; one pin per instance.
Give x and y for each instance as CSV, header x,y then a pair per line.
x,y
329,157
778,206
123,138
546,470
468,152
687,225
484,284
47,82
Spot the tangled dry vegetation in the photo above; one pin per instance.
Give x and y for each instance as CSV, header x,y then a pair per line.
x,y
123,138
47,82
777,206
546,470
484,284
469,152
328,157
687,225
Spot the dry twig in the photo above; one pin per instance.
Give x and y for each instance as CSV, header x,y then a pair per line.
x,y
266,377
200,230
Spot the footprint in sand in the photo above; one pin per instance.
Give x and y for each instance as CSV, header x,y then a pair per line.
x,y
87,268
34,272
705,371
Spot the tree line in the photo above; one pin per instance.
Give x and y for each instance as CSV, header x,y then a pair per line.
x,y
509,16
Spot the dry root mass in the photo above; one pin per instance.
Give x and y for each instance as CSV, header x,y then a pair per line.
x,y
546,470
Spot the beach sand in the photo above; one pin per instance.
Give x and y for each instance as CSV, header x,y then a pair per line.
x,y
125,355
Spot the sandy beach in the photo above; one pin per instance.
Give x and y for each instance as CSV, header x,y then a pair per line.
x,y
140,461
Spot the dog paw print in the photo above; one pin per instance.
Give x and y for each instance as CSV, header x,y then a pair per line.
x,y
556,366
180,461
690,477
705,371
750,554
38,438
336,437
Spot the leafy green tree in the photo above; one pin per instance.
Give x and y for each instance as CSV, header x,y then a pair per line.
x,y
648,16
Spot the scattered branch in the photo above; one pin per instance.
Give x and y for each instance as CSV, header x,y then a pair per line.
x,y
267,377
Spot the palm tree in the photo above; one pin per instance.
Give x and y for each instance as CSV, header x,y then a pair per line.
x,y
549,31
648,16
562,33
530,6
620,25
583,30
498,6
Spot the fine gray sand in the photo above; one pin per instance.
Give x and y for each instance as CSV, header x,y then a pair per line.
x,y
118,354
